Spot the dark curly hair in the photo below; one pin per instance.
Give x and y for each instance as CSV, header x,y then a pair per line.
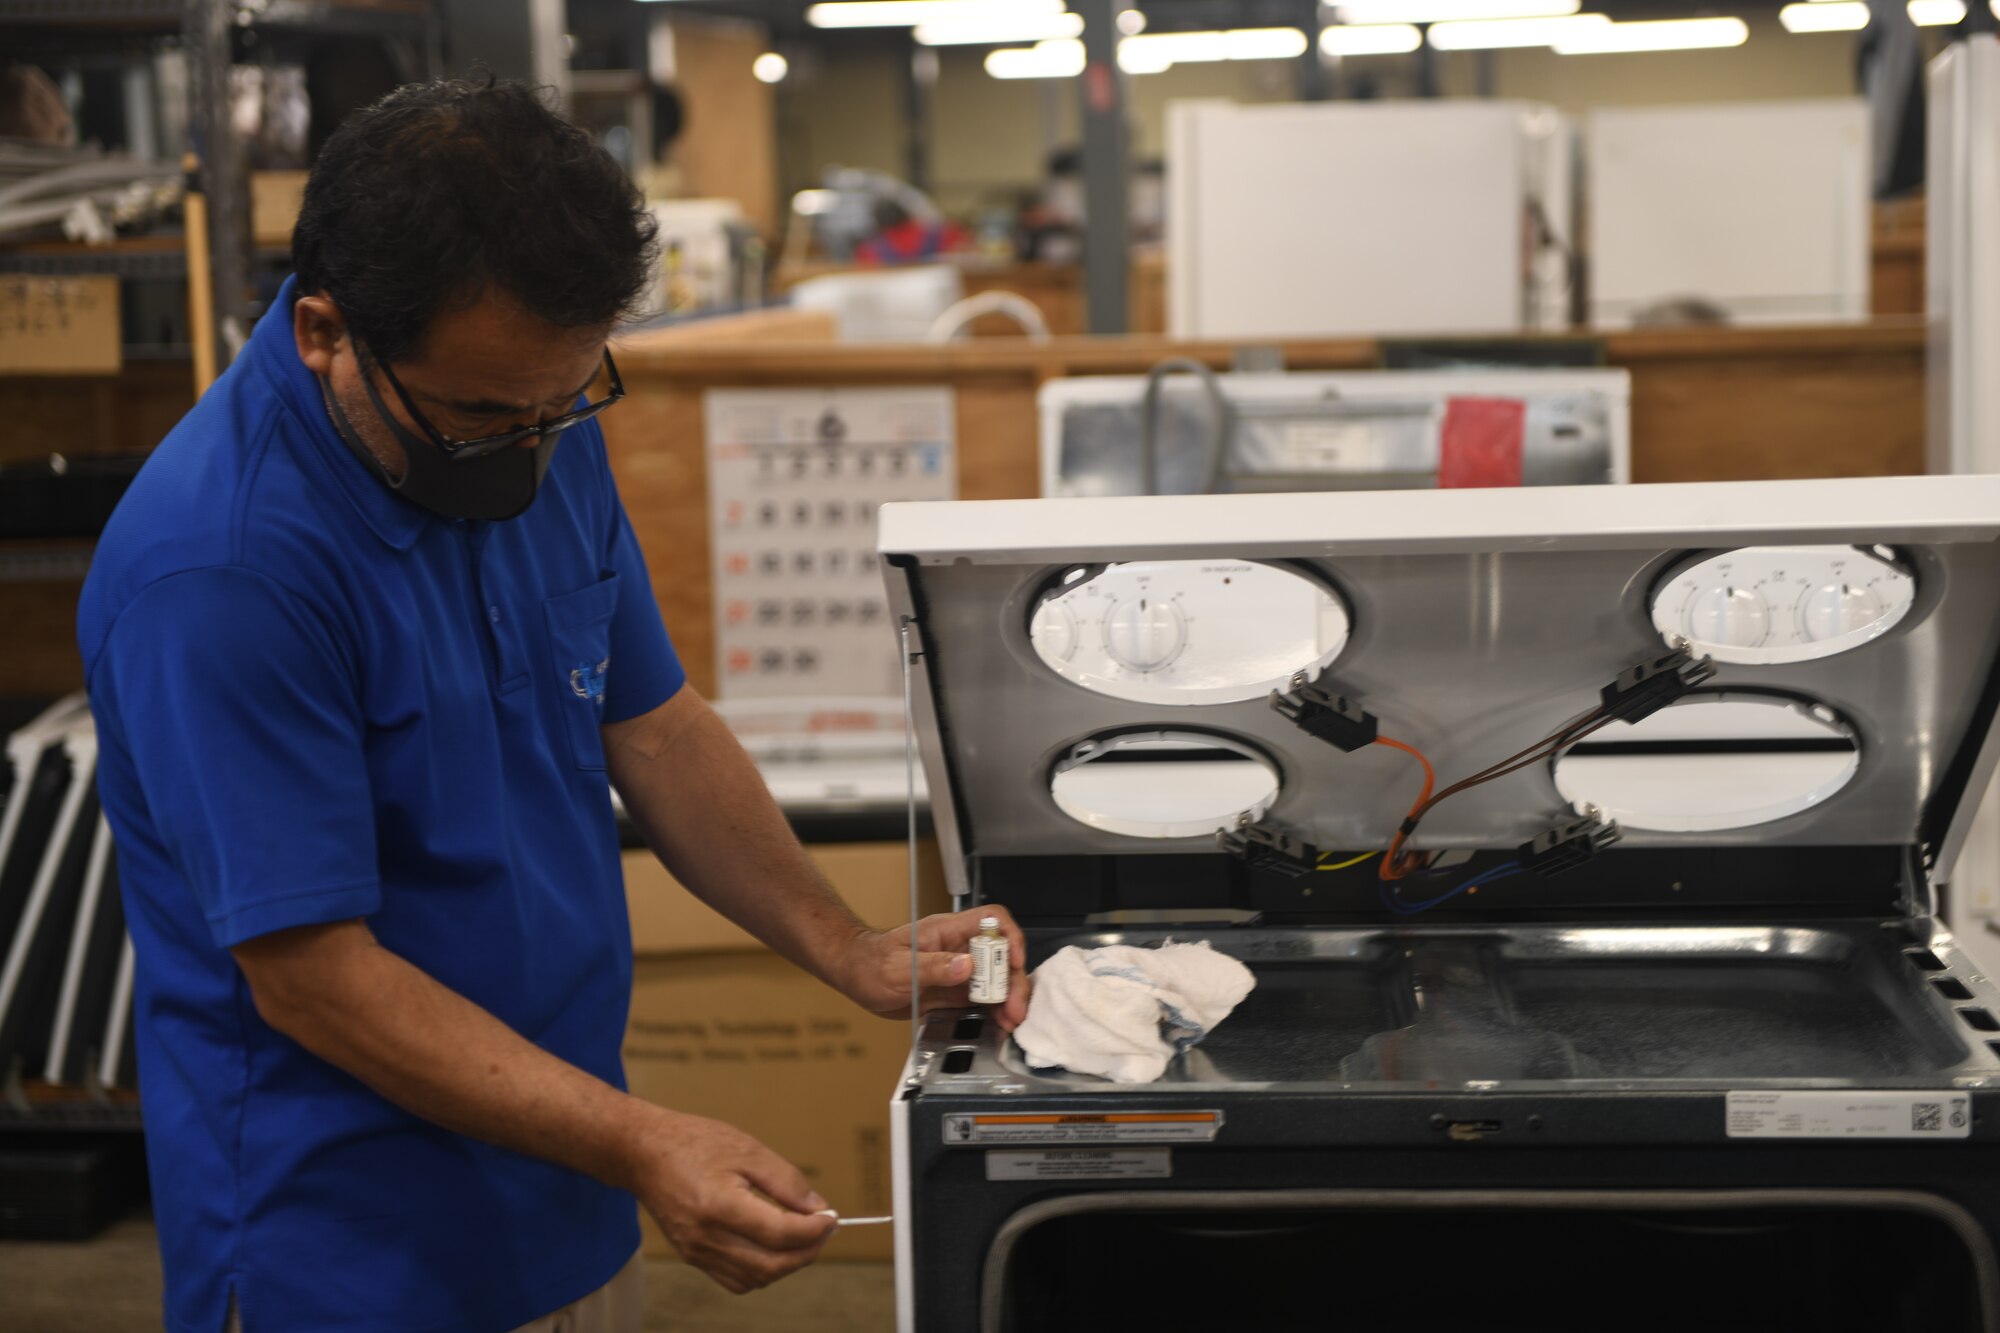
x,y
442,190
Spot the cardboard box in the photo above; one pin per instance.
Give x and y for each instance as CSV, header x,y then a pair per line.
x,y
749,1039
275,197
60,326
873,878
724,1028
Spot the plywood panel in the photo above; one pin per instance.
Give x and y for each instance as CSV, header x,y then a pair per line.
x,y
996,440
658,453
729,149
1148,297
933,363
780,324
654,439
1742,419
1896,274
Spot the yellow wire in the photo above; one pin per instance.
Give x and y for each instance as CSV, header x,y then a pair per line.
x,y
1354,861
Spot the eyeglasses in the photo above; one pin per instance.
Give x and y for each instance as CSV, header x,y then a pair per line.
x,y
479,447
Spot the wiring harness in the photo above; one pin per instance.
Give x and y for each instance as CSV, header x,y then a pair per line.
x,y
1637,693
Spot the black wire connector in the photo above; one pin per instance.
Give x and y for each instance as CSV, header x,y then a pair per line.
x,y
1643,690
1337,720
1269,849
1568,844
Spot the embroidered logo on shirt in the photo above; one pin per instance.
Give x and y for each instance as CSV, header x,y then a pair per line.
x,y
587,681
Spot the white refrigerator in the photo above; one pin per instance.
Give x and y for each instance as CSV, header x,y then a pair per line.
x,y
1761,210
1397,218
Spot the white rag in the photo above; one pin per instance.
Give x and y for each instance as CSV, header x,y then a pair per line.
x,y
1123,1012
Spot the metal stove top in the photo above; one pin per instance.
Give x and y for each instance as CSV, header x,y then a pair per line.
x,y
1795,950
1659,1007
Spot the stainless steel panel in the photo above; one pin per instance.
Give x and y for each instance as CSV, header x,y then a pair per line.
x,y
1656,1007
1471,657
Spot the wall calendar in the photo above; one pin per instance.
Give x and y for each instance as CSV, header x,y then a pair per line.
x,y
794,479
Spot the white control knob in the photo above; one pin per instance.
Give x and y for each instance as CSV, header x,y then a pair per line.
x,y
1144,633
1054,632
1834,609
1739,617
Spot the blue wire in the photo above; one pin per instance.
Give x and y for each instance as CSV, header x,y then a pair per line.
x,y
1400,908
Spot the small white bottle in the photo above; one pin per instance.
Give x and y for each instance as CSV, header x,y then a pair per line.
x,y
991,964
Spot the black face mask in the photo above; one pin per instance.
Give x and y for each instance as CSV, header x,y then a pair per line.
x,y
492,488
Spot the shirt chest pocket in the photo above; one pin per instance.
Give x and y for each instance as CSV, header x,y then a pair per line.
x,y
579,656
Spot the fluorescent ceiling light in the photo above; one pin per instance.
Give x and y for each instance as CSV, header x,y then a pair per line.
x,y
1657,35
1452,11
1825,16
1936,13
1373,39
909,13
1063,58
1266,44
770,67
992,29
1060,59
1498,34
1147,51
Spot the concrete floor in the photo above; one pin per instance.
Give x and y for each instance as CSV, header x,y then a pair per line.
x,y
112,1285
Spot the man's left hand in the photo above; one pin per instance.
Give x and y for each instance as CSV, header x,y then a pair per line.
x,y
878,977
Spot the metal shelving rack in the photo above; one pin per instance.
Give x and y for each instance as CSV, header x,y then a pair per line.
x,y
152,265
207,33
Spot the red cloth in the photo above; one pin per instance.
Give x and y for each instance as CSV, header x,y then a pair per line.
x,y
909,242
1481,442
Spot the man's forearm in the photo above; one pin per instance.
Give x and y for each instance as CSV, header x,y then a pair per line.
x,y
431,1051
707,814
730,1205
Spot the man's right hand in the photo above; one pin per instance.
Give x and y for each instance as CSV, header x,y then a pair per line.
x,y
731,1207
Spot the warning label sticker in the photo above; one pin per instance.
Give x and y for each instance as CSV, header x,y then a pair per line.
x,y
1080,1164
1109,1127
1850,1115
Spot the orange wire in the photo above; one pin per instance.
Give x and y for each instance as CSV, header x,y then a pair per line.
x,y
1393,862
1391,869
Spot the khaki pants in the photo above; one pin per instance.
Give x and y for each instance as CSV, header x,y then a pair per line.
x,y
619,1306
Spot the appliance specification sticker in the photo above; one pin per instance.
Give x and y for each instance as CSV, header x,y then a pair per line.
x,y
1869,1114
1087,1127
1081,1164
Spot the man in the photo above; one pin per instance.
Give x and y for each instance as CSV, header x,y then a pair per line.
x,y
364,645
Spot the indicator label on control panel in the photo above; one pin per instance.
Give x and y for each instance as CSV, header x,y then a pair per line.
x,y
1081,1164
1850,1115
1119,1127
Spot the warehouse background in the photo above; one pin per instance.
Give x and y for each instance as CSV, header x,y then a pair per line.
x,y
151,157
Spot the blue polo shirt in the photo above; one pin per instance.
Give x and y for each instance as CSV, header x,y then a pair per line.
x,y
318,702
